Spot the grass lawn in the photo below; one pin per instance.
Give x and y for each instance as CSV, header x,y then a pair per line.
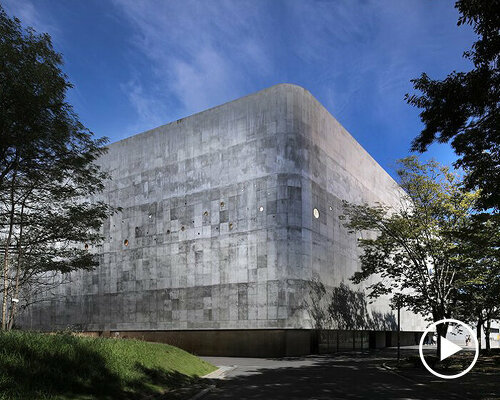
x,y
63,366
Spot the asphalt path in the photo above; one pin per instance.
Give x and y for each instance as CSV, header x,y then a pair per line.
x,y
343,376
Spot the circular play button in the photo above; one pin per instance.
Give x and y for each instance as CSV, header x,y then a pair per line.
x,y
448,347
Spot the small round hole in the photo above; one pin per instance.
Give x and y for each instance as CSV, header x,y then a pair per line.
x,y
261,208
205,213
86,246
150,216
316,213
331,208
182,228
168,231
231,226
222,204
125,242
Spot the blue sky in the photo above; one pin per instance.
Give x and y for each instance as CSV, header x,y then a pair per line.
x,y
137,64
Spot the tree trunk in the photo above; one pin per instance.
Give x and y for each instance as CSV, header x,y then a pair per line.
x,y
5,296
441,331
487,329
20,255
13,308
478,332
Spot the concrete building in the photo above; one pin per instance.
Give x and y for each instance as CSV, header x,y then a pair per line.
x,y
227,214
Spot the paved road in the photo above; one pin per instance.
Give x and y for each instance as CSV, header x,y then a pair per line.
x,y
347,376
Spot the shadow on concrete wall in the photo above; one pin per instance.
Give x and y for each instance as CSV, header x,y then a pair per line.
x,y
349,311
343,308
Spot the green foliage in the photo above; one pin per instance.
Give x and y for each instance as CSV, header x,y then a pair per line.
x,y
463,108
479,295
49,179
42,366
413,248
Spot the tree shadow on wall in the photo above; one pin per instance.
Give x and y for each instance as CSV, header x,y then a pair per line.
x,y
345,309
349,311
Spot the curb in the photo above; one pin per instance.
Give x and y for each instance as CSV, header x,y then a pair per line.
x,y
217,374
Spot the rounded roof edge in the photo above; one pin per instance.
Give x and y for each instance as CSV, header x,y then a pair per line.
x,y
288,87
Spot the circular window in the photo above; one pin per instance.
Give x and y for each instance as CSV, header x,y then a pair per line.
x,y
205,213
261,208
316,213
230,226
125,242
182,228
86,246
222,204
331,208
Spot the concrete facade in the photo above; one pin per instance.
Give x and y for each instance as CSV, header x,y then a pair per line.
x,y
226,215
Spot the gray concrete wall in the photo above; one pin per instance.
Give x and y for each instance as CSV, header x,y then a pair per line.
x,y
217,229
329,167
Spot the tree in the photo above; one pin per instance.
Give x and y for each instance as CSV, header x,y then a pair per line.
x,y
479,293
413,248
49,215
464,108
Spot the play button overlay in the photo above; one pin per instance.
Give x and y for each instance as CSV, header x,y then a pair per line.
x,y
448,347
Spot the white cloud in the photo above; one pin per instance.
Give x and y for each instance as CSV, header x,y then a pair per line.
x,y
201,53
150,111
196,83
369,48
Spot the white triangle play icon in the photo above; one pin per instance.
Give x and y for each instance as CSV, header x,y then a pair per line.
x,y
448,348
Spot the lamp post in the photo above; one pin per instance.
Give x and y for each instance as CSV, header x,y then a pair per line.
x,y
396,301
399,330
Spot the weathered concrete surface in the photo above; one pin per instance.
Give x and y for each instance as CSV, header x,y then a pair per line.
x,y
218,229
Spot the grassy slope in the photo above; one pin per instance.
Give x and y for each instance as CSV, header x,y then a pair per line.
x,y
62,366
